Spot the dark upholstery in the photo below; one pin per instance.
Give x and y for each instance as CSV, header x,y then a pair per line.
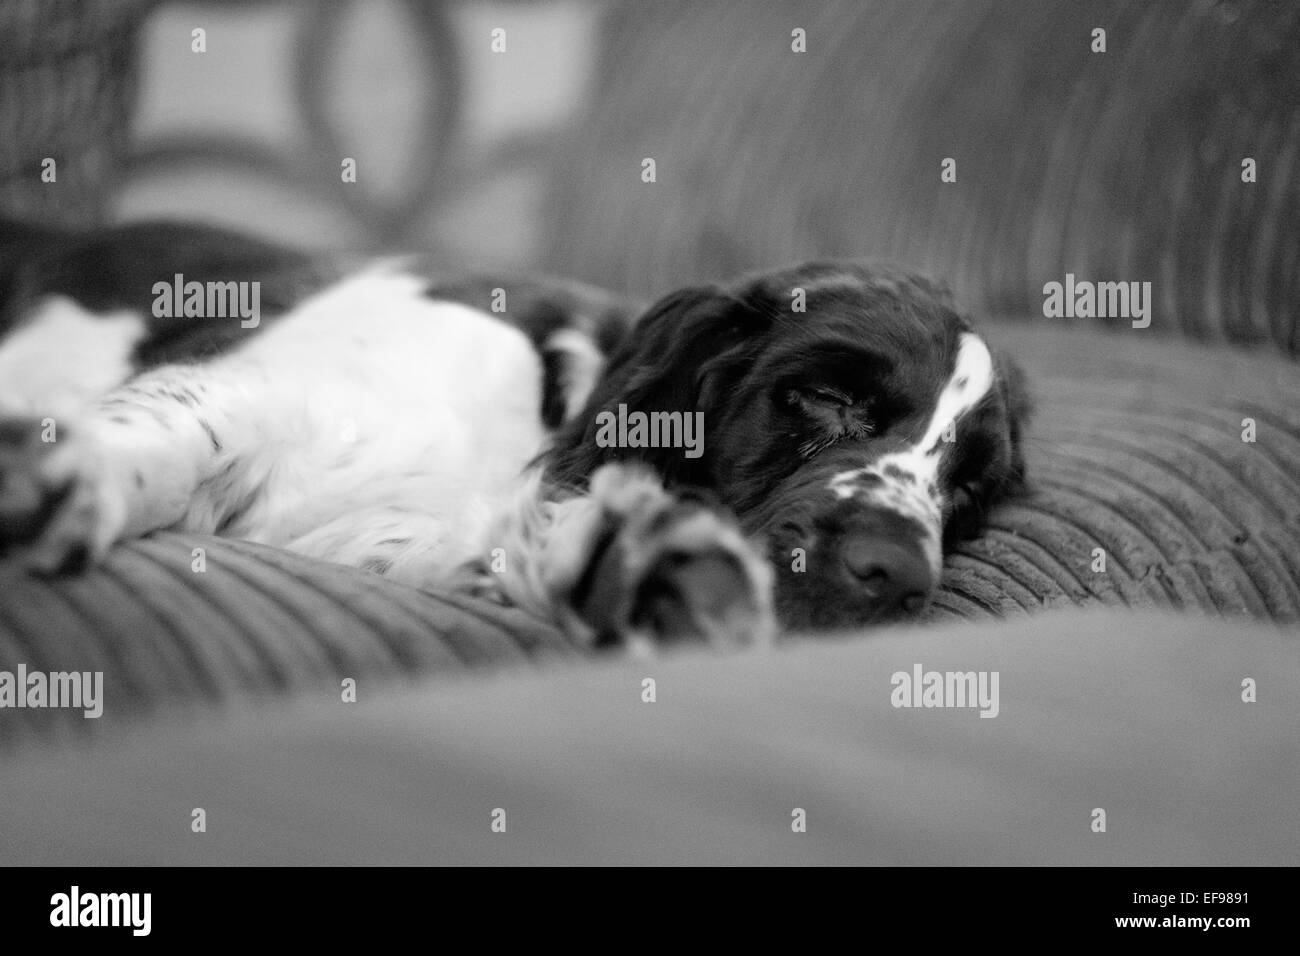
x,y
1123,165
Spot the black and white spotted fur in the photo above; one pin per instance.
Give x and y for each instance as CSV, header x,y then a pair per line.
x,y
378,418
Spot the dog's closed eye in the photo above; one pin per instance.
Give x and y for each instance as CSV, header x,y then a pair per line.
x,y
824,395
828,415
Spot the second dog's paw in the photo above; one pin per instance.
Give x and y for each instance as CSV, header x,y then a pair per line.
x,y
55,512
666,569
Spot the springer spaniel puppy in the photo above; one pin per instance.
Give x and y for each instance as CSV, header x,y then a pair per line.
x,y
475,434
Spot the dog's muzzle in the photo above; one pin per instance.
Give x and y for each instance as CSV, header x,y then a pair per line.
x,y
869,555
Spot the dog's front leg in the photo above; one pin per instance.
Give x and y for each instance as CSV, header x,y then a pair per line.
x,y
130,465
629,562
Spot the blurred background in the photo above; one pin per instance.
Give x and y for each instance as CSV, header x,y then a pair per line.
x,y
780,131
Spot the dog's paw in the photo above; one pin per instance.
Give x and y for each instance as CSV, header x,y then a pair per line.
x,y
56,514
666,569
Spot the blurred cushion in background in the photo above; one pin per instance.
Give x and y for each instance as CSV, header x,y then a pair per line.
x,y
1122,165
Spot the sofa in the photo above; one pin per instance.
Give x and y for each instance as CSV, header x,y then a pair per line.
x,y
1141,600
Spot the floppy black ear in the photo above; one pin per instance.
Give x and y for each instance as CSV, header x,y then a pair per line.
x,y
1016,399
662,366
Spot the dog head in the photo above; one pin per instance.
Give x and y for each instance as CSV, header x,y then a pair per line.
x,y
852,419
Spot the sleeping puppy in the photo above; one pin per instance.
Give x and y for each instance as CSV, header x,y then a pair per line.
x,y
815,436
853,437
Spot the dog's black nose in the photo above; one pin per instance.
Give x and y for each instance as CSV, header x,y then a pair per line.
x,y
894,574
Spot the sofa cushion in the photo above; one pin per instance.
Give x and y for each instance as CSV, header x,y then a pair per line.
x,y
1135,449
257,621
1139,714
1122,165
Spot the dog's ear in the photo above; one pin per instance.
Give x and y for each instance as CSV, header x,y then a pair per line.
x,y
669,362
1019,407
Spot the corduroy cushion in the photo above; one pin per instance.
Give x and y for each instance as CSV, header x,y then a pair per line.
x,y
1123,165
1135,449
256,622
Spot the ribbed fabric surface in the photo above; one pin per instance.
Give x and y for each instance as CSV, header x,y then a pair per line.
x,y
257,622
1117,166
1135,449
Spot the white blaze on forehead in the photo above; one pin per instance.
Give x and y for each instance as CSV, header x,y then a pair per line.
x,y
972,377
907,481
